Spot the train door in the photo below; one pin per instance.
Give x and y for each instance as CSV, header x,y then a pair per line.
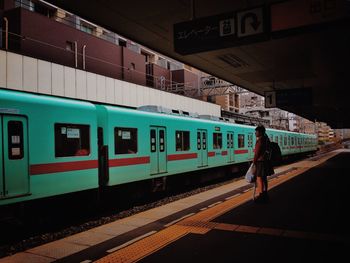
x,y
158,150
250,146
14,153
202,148
230,147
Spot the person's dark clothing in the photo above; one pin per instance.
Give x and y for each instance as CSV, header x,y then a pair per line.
x,y
263,166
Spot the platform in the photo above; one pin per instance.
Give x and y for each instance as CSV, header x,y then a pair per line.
x,y
304,220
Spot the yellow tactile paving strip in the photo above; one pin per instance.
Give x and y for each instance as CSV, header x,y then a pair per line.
x,y
200,224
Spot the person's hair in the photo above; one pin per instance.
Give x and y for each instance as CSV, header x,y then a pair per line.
x,y
261,129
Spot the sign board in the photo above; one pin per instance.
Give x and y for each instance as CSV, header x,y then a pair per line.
x,y
270,99
299,13
288,97
250,22
219,31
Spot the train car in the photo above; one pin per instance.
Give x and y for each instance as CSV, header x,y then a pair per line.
x,y
51,146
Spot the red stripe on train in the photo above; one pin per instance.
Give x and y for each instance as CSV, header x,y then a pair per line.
x,y
223,153
62,167
129,161
211,154
241,151
181,156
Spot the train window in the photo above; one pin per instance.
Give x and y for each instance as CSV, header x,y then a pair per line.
x,y
285,140
276,139
229,140
240,140
161,141
198,140
204,138
292,140
72,140
281,140
217,140
125,140
15,140
153,140
182,140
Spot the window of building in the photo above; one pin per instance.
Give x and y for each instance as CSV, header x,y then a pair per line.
x,y
72,140
217,140
122,42
240,140
86,28
125,140
69,46
15,140
182,140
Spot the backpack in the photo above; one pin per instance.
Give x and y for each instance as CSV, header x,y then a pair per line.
x,y
273,153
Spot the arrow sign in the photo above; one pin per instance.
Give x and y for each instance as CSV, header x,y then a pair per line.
x,y
255,24
250,22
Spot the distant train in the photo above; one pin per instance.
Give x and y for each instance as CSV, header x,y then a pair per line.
x,y
51,146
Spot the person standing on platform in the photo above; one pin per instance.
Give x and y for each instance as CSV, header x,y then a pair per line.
x,y
261,163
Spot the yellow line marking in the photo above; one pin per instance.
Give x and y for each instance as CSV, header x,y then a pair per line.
x,y
200,224
179,219
131,241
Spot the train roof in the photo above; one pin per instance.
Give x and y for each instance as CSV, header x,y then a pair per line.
x,y
36,98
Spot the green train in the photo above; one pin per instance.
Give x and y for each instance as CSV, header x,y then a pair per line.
x,y
52,146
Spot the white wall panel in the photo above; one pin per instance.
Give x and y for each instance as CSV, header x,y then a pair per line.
x,y
69,82
152,97
30,74
140,95
20,72
126,93
44,77
109,90
133,94
3,68
91,86
57,80
81,87
14,71
118,92
101,88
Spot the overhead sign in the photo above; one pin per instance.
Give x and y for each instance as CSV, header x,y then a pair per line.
x,y
250,22
288,97
270,99
220,31
299,13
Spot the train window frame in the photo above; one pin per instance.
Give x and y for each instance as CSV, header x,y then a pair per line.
x,y
130,145
182,141
217,140
84,134
15,140
240,142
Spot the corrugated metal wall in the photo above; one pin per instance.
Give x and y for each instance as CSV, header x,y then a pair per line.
x,y
29,74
